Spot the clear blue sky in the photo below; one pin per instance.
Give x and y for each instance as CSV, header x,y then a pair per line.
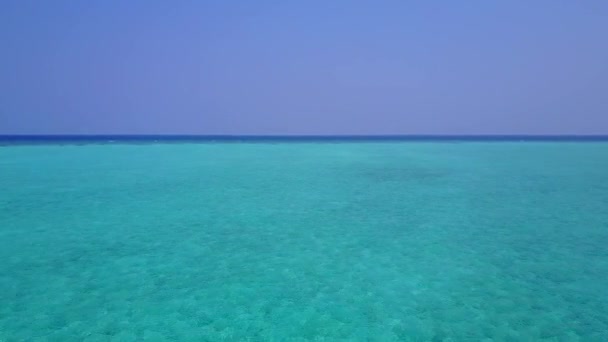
x,y
304,67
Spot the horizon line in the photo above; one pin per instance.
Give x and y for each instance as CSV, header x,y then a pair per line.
x,y
299,135
19,139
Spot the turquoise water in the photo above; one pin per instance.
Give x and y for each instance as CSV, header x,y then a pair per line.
x,y
392,241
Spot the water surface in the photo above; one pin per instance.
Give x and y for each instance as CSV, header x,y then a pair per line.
x,y
384,241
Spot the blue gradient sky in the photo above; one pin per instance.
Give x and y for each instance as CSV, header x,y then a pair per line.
x,y
305,67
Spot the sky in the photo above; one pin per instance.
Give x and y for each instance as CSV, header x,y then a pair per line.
x,y
303,67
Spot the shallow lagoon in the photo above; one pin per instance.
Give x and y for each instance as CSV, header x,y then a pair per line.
x,y
383,241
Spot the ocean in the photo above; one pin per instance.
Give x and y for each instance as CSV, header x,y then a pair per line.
x,y
304,240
